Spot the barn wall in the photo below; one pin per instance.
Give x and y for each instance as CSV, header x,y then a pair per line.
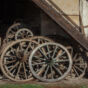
x,y
49,27
69,7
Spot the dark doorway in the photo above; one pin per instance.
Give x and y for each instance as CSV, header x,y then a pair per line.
x,y
26,12
19,10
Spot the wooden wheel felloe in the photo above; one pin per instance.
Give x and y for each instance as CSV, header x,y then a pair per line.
x,y
41,39
14,60
79,65
50,62
13,28
23,33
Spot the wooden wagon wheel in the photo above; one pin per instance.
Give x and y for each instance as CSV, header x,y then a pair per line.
x,y
79,65
23,33
14,60
41,39
50,62
10,34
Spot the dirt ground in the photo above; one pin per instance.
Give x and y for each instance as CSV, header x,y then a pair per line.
x,y
79,83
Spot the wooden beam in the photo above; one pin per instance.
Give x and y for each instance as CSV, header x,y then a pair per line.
x,y
68,26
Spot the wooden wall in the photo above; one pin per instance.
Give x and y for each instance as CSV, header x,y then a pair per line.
x,y
69,7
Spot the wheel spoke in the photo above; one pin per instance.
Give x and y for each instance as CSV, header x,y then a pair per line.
x,y
81,64
61,61
71,50
41,63
20,46
18,70
51,72
59,55
13,33
54,52
26,50
75,57
58,71
48,51
12,49
43,53
47,69
10,56
40,71
39,41
78,68
32,46
25,70
42,41
10,62
39,58
76,72
14,66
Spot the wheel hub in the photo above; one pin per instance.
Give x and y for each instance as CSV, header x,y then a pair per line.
x,y
50,62
22,57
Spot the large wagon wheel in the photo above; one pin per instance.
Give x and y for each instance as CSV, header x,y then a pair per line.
x,y
50,62
79,65
14,60
23,33
41,39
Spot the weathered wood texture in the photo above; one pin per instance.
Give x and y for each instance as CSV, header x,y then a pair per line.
x,y
84,15
66,23
69,7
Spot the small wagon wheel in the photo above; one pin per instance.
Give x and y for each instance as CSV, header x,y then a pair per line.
x,y
10,34
79,65
14,60
50,62
41,39
23,33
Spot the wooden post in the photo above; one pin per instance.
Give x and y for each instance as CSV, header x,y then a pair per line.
x,y
84,15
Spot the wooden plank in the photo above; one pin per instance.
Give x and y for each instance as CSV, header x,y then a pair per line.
x,y
66,23
84,15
